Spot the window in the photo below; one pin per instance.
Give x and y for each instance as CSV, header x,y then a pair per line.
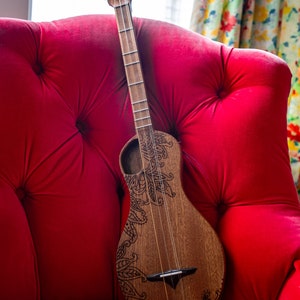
x,y
174,11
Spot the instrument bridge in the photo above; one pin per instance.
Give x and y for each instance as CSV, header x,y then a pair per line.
x,y
172,277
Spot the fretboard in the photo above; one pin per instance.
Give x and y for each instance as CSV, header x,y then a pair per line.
x,y
133,68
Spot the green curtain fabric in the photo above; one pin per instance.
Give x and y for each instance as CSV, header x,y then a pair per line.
x,y
270,25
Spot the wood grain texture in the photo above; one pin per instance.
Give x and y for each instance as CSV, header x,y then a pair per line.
x,y
164,231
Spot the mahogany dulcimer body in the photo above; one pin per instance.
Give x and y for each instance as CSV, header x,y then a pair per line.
x,y
167,249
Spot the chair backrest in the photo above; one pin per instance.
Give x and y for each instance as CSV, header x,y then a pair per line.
x,y
65,114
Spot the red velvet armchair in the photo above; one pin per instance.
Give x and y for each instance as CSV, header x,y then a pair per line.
x,y
65,114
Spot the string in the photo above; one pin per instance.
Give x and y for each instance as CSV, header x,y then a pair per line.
x,y
157,166
165,202
151,211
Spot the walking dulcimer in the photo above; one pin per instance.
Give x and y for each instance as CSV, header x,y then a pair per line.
x,y
167,249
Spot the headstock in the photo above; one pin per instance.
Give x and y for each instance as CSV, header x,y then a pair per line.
x,y
115,3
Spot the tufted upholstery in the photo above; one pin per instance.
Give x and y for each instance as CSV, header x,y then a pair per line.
x,y
65,115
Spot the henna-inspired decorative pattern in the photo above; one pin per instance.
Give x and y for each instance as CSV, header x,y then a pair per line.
x,y
154,150
127,273
146,187
206,295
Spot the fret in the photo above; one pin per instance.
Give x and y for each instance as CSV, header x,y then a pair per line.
x,y
142,118
141,110
125,29
135,83
132,63
140,101
129,52
120,5
143,126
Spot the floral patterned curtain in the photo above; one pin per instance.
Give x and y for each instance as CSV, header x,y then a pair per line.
x,y
271,25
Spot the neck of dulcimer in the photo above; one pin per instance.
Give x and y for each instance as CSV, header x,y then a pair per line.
x,y
134,74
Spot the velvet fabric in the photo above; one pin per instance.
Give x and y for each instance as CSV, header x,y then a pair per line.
x,y
65,115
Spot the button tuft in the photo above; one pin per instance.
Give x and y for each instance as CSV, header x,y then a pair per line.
x,y
81,126
22,194
38,68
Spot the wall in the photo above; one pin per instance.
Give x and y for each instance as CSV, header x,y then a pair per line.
x,y
14,8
